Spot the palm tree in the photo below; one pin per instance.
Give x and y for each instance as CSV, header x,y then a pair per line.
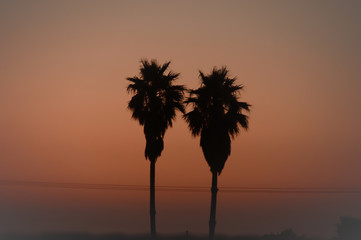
x,y
216,116
154,105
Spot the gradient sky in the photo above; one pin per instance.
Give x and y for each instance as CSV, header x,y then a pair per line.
x,y
64,116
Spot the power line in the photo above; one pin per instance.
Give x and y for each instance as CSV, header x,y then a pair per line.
x,y
100,186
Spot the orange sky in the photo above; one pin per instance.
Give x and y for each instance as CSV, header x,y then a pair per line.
x,y
63,103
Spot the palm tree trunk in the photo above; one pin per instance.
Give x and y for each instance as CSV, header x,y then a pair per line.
x,y
212,218
152,199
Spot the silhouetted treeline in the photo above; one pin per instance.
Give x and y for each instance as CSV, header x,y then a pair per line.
x,y
349,229
285,235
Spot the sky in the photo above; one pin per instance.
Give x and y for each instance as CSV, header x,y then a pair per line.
x,y
64,116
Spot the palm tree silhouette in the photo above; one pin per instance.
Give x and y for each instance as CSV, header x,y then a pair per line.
x,y
216,116
154,105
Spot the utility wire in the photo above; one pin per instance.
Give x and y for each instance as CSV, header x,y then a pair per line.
x,y
99,186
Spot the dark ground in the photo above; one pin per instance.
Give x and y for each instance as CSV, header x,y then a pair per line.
x,y
285,235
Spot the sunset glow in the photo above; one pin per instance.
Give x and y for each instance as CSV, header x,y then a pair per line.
x,y
64,116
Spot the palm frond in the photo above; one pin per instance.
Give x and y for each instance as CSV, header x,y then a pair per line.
x,y
195,121
245,106
243,120
163,68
